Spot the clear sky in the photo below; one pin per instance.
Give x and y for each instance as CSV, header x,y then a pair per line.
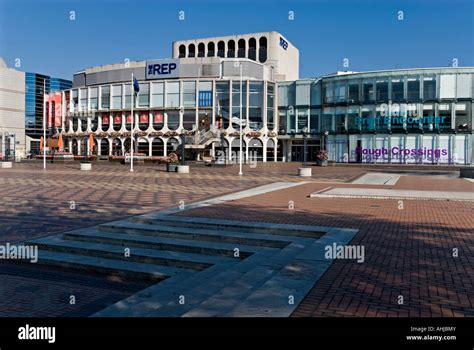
x,y
41,34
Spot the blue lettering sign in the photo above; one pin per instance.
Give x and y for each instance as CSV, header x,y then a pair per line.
x,y
283,43
162,69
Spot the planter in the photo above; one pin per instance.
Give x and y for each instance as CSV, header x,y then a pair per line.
x,y
467,172
172,168
86,166
183,169
322,163
304,171
6,165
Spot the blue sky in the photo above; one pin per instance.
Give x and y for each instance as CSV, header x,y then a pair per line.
x,y
368,33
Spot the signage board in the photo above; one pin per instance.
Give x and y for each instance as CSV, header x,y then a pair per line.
x,y
162,69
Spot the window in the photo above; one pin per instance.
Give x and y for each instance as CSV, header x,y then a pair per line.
x,y
189,119
116,96
252,54
444,122
397,90
144,95
83,99
75,100
353,122
211,49
173,119
314,120
315,94
382,90
157,95
303,119
241,50
368,91
326,119
367,118
340,119
191,50
94,98
189,93
182,51
172,94
328,91
105,97
429,88
231,48
223,102
205,94
463,120
128,96
413,90
283,120
158,120
270,106
353,92
340,91
201,49
262,51
256,105
220,49
236,104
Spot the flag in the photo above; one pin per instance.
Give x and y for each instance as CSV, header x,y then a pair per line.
x,y
60,142
91,144
136,86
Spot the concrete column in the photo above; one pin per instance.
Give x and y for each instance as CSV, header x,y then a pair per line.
x,y
79,147
264,150
246,152
150,142
165,148
99,147
275,149
110,140
122,144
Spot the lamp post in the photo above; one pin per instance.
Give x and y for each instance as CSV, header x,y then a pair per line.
x,y
240,122
305,146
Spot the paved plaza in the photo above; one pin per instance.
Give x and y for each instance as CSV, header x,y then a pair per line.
x,y
408,244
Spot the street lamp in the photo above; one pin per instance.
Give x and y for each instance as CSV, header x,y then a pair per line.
x,y
240,122
305,146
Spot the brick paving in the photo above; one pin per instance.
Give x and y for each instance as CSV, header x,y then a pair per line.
x,y
408,251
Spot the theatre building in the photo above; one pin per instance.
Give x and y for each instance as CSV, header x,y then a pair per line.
x,y
211,87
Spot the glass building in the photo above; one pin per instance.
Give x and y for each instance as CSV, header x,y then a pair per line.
x,y
412,116
34,86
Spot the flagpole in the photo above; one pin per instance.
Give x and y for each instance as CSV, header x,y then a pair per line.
x,y
44,124
132,92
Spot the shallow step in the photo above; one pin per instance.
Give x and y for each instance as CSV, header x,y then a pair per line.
x,y
127,269
231,225
163,243
230,295
195,234
139,255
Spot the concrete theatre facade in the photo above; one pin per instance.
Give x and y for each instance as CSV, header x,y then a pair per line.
x,y
415,116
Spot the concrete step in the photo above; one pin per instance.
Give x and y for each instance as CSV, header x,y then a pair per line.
x,y
125,226
140,255
220,249
230,295
277,297
232,226
108,266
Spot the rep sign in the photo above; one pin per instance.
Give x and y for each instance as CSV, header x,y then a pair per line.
x,y
162,69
